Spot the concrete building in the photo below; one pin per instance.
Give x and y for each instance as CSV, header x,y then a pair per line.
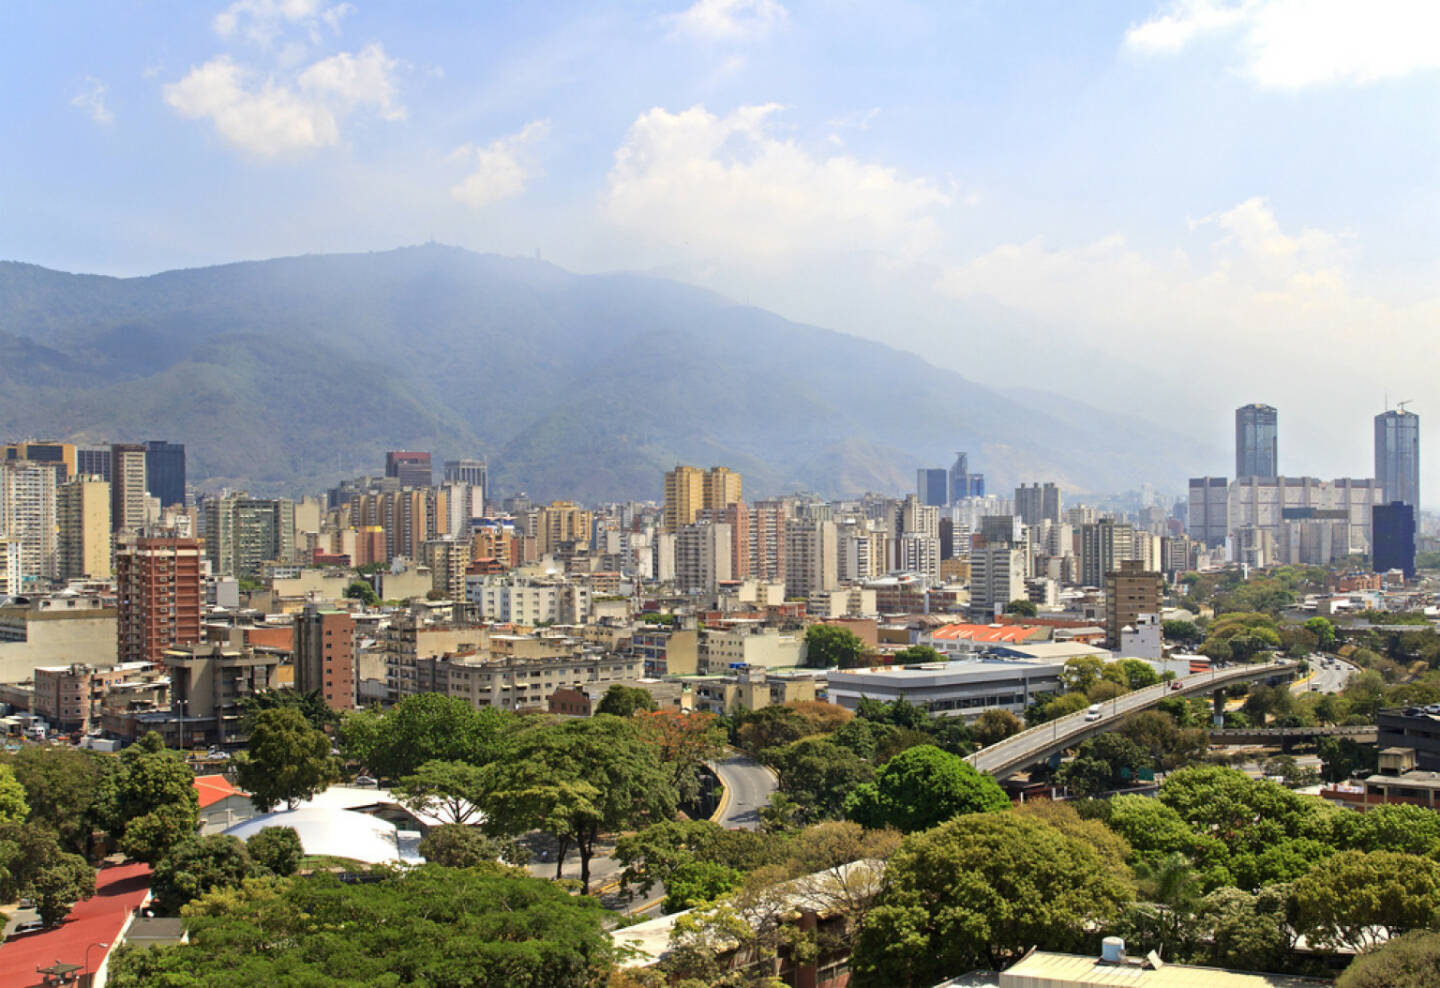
x,y
207,683
684,496
810,557
242,533
1131,592
325,655
521,600
94,460
55,630
703,557
951,689
74,697
128,486
1256,442
83,513
767,540
411,468
916,552
28,515
160,590
11,583
1397,456
997,576
448,559
58,456
559,523
666,651
165,471
1035,504
472,473
1103,545
753,646
1269,504
751,689
1208,511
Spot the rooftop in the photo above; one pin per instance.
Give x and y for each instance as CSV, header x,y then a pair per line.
x,y
119,891
942,671
989,632
1043,969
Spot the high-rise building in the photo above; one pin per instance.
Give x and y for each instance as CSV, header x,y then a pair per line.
x,y
83,513
28,516
963,483
811,562
474,475
411,468
1397,456
997,576
1208,512
1103,546
1393,538
1035,504
160,589
59,456
684,496
93,461
721,488
325,655
447,559
1130,591
127,487
1256,445
703,556
933,486
165,471
242,533
767,540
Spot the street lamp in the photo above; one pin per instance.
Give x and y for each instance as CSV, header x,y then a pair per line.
x,y
98,943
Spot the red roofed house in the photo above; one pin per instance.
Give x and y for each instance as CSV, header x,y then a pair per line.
x,y
221,804
960,641
84,939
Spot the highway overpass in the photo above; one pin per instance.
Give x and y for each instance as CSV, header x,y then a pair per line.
x,y
1018,752
1285,736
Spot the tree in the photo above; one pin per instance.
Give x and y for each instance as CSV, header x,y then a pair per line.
x,y
1022,607
1392,827
830,645
977,892
34,864
921,787
1183,632
1137,673
1106,761
623,701
362,591
818,774
1324,632
455,845
660,851
1156,831
63,789
697,882
453,791
426,727
311,703
685,743
287,761
756,730
1345,758
485,927
58,883
13,807
917,654
1081,673
1048,708
1349,899
276,849
995,725
197,865
156,803
577,780
1169,746
1411,960
1244,930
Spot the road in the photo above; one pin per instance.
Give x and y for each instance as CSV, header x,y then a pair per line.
x,y
748,786
1019,751
1331,680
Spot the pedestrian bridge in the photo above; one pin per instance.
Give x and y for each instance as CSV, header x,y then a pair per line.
x,y
1019,751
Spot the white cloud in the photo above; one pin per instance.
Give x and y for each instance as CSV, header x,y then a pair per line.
x,y
498,169
727,185
91,99
262,21
728,20
275,116
1290,44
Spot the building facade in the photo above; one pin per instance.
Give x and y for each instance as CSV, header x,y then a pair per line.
x,y
1397,456
160,591
128,487
84,529
165,471
325,655
1256,441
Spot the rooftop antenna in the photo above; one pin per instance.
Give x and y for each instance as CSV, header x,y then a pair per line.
x,y
1401,405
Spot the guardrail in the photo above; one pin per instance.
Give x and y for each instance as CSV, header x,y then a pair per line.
x,y
1004,758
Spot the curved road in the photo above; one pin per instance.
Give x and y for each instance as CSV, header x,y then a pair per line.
x,y
748,786
1004,758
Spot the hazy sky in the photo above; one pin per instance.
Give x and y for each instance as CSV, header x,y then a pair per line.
x,y
1173,208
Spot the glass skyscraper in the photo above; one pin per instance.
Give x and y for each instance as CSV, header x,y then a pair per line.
x,y
1256,451
1397,456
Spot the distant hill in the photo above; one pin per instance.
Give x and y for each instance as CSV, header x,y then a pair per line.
x,y
286,375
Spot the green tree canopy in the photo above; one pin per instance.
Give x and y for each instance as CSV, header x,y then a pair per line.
x,y
1344,901
623,701
276,849
453,791
287,760
362,591
921,787
1022,607
156,806
1411,960
455,845
310,703
35,865
977,892
1106,761
197,865
426,727
995,725
1184,632
69,791
829,645
577,780
478,928
818,774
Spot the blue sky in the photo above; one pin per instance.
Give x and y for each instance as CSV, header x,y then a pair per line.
x,y
1171,208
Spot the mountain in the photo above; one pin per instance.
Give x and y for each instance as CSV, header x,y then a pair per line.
x,y
288,374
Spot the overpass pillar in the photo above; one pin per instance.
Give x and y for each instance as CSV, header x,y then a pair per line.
x,y
1217,700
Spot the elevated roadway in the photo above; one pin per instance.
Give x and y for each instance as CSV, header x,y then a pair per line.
x,y
748,786
1018,752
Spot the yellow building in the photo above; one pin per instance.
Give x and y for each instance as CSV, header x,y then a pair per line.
x,y
83,513
721,488
559,522
43,452
689,490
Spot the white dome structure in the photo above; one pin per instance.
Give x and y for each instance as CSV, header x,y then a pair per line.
x,y
337,833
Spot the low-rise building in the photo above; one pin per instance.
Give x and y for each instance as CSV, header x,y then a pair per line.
x,y
56,630
74,697
955,689
752,688
207,683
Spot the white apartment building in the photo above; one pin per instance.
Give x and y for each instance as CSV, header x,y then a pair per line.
x,y
810,557
919,553
751,646
517,600
703,557
28,516
997,576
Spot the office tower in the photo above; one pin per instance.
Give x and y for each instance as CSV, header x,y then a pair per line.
x,y
1035,504
1393,528
93,461
473,474
410,468
1208,513
325,655
1397,456
242,533
1130,591
933,486
1103,546
83,510
997,576
127,487
1256,449
161,596
810,557
165,471
59,456
28,516
963,483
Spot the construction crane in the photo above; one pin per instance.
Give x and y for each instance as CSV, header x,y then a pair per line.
x,y
1401,405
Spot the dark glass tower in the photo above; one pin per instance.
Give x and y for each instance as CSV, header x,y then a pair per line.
x,y
1256,453
1392,532
933,486
1397,456
165,471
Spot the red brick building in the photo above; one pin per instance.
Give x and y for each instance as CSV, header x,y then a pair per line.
x,y
161,596
325,655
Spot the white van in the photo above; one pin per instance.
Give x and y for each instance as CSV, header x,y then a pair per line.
x,y
1093,713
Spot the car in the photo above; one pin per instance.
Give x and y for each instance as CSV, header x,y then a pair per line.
x,y
29,926
1094,713
1176,685
365,782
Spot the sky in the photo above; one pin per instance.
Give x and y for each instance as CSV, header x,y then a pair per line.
x,y
1165,208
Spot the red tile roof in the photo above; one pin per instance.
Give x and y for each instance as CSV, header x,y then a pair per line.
x,y
119,890
987,632
213,788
